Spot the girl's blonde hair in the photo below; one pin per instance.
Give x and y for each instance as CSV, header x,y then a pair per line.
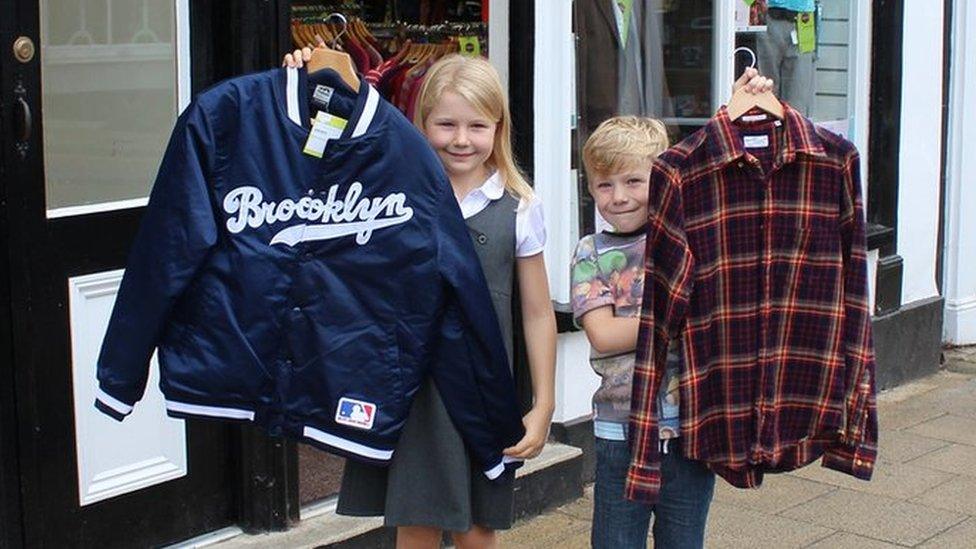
x,y
477,82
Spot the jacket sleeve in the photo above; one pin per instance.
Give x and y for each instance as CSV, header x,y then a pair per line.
x,y
177,231
857,450
668,265
470,366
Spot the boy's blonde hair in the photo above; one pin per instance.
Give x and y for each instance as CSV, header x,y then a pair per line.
x,y
622,141
475,80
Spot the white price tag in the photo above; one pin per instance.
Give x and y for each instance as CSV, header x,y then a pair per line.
x,y
324,127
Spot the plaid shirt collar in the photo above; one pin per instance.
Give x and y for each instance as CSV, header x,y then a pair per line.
x,y
724,144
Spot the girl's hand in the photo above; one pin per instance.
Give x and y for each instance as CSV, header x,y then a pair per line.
x,y
298,58
752,82
536,431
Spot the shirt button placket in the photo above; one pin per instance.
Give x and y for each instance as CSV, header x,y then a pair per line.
x,y
767,375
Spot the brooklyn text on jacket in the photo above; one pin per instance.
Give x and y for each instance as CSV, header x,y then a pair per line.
x,y
352,215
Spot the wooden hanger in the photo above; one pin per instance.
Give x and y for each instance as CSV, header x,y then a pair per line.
x,y
324,57
742,101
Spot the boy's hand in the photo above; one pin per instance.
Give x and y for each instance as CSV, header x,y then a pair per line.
x,y
536,431
752,82
298,58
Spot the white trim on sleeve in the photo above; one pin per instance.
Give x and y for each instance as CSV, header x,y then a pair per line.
x,y
209,411
112,402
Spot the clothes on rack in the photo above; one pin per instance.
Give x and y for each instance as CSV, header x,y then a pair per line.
x,y
392,57
757,259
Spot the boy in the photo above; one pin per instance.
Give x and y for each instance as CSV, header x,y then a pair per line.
x,y
607,278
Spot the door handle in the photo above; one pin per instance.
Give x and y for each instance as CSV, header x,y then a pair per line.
x,y
25,121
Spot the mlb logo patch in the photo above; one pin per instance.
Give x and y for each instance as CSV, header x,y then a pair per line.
x,y
355,413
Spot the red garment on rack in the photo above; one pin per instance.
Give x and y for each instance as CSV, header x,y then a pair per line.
x,y
358,54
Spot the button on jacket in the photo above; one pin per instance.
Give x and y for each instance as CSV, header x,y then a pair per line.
x,y
756,257
308,295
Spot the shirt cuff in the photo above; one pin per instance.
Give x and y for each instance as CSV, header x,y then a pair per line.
x,y
506,464
643,484
857,461
111,406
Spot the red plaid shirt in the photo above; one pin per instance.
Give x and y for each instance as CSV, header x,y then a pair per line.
x,y
757,258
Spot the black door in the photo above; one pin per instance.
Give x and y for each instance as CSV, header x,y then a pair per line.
x,y
85,118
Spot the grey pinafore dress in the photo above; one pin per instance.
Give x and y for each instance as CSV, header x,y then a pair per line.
x,y
431,480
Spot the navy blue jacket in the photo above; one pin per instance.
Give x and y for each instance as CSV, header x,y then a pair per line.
x,y
310,296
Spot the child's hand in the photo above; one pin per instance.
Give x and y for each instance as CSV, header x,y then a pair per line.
x,y
536,431
298,58
752,82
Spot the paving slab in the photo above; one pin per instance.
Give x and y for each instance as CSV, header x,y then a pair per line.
x,y
734,527
958,495
778,492
894,480
955,458
950,428
908,392
581,508
960,536
844,540
545,531
900,447
875,516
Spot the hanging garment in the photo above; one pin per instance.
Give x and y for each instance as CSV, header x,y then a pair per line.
x,y
621,78
756,257
310,296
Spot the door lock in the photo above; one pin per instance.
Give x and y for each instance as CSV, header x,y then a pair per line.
x,y
24,49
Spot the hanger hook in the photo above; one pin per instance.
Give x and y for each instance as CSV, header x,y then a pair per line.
x,y
747,50
345,25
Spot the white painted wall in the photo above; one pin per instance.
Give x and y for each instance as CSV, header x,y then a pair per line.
x,y
555,183
960,234
553,103
920,148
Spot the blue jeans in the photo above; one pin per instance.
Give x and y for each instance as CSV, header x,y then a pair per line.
x,y
679,515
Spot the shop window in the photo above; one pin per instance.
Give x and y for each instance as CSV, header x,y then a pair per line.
x,y
410,35
109,97
647,58
808,54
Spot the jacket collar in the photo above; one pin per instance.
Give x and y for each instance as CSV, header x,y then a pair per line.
x,y
296,86
724,140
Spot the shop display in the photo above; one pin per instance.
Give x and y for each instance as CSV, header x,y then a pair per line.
x,y
787,51
391,53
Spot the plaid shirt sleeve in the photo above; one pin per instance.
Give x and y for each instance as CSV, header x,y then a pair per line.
x,y
856,452
667,287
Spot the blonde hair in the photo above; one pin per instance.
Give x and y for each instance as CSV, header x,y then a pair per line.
x,y
620,142
477,82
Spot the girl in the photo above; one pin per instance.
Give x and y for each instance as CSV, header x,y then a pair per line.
x,y
431,486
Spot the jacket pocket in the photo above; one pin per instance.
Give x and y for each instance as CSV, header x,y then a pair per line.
x,y
360,362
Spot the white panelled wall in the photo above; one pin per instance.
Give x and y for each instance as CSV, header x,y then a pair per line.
x,y
960,227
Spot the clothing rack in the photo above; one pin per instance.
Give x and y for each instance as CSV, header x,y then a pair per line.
x,y
391,56
326,7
